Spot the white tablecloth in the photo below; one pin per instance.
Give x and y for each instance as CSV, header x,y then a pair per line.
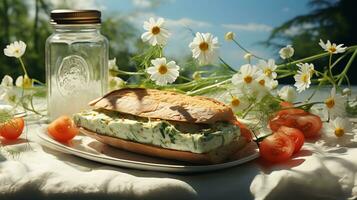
x,y
324,169
317,172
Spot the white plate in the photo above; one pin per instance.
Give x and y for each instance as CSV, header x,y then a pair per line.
x,y
91,149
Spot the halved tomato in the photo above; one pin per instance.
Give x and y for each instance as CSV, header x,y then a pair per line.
x,y
282,120
276,147
291,111
309,124
295,134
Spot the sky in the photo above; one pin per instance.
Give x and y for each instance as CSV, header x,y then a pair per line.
x,y
250,20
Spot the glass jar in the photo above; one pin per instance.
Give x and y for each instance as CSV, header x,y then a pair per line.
x,y
76,61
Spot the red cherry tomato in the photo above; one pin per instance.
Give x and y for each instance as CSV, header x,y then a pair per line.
x,y
282,120
295,135
286,104
309,124
62,129
276,147
291,111
12,129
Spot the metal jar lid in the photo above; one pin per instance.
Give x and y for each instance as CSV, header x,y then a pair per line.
x,y
75,17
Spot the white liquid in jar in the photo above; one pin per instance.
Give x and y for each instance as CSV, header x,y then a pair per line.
x,y
76,72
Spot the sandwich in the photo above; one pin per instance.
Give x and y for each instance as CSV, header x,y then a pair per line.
x,y
164,124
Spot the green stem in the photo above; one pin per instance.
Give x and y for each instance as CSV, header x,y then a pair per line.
x,y
33,108
244,49
338,60
281,70
227,65
194,82
37,81
245,113
23,66
348,81
285,75
313,93
128,73
208,87
330,70
315,57
184,78
343,73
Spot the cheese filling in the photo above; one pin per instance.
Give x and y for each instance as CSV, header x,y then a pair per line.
x,y
181,136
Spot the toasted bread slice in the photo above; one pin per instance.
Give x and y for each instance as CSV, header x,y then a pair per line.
x,y
217,156
165,105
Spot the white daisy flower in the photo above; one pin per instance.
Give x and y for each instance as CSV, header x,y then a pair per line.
x,y
156,33
286,52
265,82
302,80
273,84
6,108
116,83
268,68
229,36
15,49
332,48
204,48
112,64
9,96
7,81
259,88
246,75
335,104
238,103
340,126
306,67
23,81
287,93
162,72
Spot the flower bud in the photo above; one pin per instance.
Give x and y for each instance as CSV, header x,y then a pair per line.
x,y
196,76
346,91
229,36
248,56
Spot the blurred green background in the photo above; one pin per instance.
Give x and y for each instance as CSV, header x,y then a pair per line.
x,y
29,21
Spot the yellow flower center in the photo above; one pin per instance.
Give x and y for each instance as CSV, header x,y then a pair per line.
x,y
268,71
330,103
305,78
248,79
235,102
12,98
155,30
339,132
17,51
27,82
162,69
332,49
204,46
262,82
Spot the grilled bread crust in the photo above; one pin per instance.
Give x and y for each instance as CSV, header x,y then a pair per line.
x,y
165,105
